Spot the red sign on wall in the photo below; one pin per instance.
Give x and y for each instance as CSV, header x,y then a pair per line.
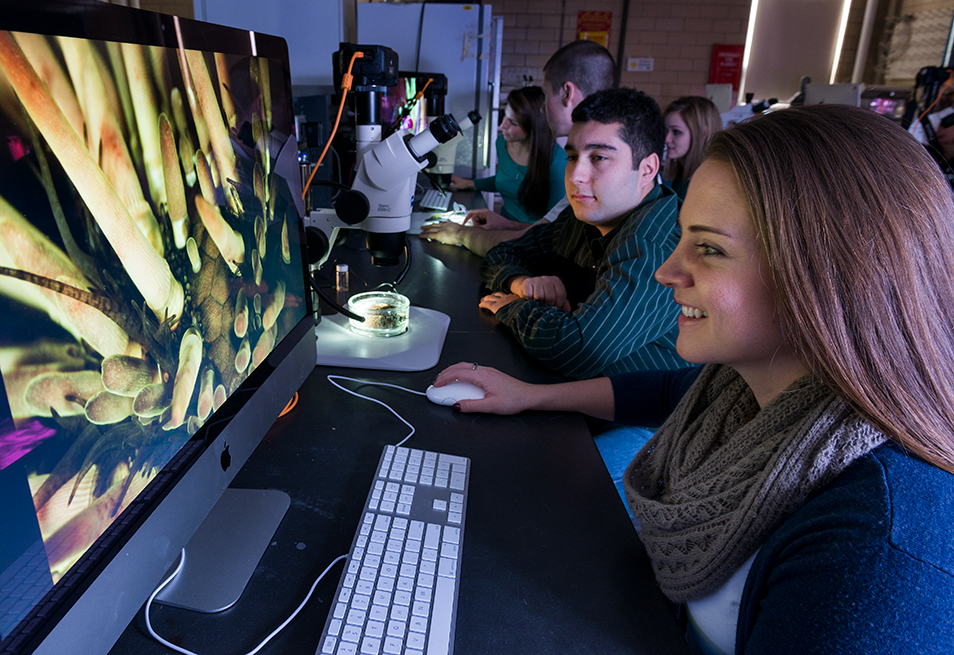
x,y
726,65
594,26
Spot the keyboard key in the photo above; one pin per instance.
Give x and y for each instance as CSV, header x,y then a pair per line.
x,y
439,634
449,550
422,594
452,535
370,646
433,535
397,629
415,640
418,624
447,568
378,613
374,629
400,613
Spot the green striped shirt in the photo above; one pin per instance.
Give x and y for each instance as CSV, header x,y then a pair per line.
x,y
621,319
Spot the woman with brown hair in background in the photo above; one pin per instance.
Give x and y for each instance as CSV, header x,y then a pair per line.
x,y
530,164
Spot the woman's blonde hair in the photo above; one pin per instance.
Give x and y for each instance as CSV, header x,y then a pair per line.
x,y
702,118
858,226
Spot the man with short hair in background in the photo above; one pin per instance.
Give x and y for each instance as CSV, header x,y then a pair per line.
x,y
575,71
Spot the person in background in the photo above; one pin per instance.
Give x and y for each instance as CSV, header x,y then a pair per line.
x,y
578,294
530,164
690,123
575,71
798,498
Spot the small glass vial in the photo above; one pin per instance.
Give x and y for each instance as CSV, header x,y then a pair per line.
x,y
341,284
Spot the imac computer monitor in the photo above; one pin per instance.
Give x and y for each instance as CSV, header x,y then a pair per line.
x,y
154,319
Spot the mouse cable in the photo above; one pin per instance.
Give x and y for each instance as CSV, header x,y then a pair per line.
x,y
332,378
264,641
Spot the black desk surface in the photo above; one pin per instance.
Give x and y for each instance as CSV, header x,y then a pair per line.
x,y
550,561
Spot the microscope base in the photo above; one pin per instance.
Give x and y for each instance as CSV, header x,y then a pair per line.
x,y
418,349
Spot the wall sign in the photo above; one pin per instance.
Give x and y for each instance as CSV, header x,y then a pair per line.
x,y
594,26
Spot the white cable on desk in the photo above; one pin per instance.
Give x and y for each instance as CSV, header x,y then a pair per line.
x,y
264,641
332,378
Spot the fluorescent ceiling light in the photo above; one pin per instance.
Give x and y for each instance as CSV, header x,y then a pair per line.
x,y
839,41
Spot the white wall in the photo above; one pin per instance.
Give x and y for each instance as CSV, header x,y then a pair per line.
x,y
312,30
791,38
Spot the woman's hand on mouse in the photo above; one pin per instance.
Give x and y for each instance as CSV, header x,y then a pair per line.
x,y
502,394
507,395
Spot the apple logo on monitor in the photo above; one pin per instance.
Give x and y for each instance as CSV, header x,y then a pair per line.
x,y
226,459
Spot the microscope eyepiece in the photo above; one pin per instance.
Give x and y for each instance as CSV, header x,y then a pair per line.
x,y
444,128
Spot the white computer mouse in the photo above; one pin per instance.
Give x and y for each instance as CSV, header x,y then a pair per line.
x,y
450,393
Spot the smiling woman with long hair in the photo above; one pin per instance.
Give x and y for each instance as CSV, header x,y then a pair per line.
x,y
799,494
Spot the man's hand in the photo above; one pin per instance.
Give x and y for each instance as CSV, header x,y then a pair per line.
x,y
445,232
545,288
497,300
461,183
491,221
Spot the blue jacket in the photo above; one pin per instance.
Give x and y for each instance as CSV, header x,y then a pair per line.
x,y
865,567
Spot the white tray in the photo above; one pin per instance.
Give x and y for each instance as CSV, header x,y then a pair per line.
x,y
418,349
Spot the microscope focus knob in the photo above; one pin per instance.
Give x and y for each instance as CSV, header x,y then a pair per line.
x,y
352,207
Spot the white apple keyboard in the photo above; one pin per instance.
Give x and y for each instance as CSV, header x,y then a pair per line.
x,y
398,594
434,199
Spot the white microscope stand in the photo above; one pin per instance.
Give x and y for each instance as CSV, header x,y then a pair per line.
x,y
418,349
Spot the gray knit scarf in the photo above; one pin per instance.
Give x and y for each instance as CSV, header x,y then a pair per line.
x,y
720,475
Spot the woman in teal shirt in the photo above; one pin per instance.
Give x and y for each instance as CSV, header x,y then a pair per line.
x,y
530,165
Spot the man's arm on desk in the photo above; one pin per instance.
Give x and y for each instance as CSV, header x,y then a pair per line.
x,y
487,230
529,255
475,238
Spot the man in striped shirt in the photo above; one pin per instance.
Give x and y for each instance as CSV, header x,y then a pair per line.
x,y
579,293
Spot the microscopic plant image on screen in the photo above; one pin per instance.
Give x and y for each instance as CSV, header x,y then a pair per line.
x,y
147,265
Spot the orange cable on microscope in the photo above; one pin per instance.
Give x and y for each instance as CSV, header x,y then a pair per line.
x,y
346,81
950,75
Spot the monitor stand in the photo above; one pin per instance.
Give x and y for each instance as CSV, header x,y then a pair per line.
x,y
225,550
418,349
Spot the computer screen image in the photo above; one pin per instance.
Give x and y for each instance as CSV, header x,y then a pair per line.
x,y
401,109
153,309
